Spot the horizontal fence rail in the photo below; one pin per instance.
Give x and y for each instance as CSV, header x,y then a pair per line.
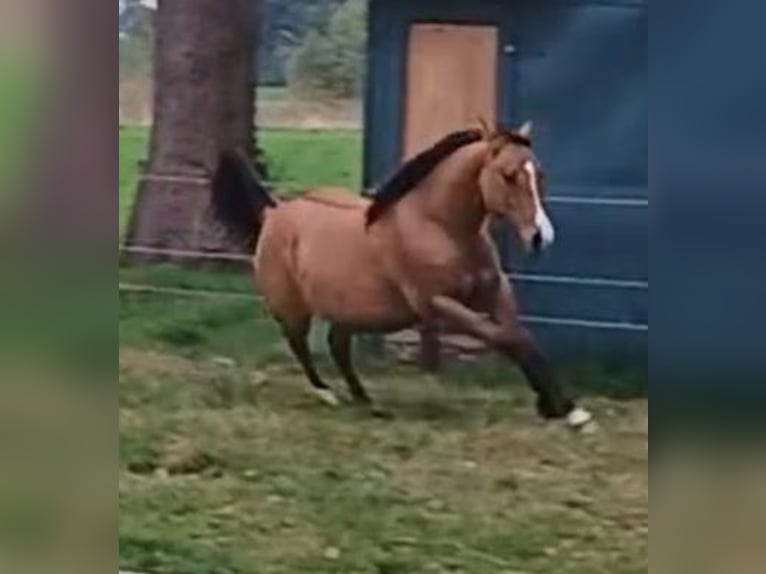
x,y
429,346
144,289
530,277
573,322
185,253
137,288
604,201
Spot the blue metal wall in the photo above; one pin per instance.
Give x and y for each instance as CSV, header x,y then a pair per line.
x,y
578,70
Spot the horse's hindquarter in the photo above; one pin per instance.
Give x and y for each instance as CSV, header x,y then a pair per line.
x,y
336,265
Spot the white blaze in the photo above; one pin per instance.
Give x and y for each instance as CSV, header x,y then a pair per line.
x,y
544,225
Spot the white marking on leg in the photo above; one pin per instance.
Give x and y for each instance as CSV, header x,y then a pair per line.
x,y
579,417
327,397
543,223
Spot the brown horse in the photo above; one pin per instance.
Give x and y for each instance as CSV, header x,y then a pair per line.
x,y
418,252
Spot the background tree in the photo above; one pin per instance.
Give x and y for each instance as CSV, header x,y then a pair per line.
x,y
285,25
204,77
136,25
330,62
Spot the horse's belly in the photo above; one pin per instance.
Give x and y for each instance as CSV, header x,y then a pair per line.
x,y
355,297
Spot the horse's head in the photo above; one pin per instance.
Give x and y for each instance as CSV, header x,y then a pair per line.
x,y
511,183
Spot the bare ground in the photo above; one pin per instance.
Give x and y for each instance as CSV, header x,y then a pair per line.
x,y
277,108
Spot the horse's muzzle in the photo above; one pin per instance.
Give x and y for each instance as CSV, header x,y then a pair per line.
x,y
541,240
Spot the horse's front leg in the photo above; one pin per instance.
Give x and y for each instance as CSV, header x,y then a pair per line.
x,y
504,332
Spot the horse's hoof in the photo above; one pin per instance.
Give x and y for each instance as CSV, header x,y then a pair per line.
x,y
327,397
581,420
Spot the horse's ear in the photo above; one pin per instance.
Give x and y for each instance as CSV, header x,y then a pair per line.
x,y
526,129
486,131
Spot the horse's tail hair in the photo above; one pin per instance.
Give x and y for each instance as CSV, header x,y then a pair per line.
x,y
239,197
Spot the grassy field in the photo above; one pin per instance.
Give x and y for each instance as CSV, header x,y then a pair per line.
x,y
297,159
133,147
20,98
229,466
271,93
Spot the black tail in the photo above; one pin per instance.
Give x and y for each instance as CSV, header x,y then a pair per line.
x,y
238,197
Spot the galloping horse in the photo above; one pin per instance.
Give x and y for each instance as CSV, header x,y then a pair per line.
x,y
419,251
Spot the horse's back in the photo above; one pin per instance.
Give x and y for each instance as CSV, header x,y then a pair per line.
x,y
325,214
335,197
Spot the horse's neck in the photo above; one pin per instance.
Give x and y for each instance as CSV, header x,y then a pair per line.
x,y
452,197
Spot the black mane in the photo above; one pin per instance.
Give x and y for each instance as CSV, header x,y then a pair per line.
x,y
416,170
419,167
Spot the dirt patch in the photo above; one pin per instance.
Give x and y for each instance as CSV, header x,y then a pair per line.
x,y
182,456
135,101
153,363
290,112
281,111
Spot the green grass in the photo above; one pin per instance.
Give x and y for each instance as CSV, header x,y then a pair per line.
x,y
229,466
297,159
133,148
20,109
196,327
307,158
269,93
168,275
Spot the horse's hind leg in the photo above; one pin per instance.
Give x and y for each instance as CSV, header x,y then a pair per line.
x,y
340,347
296,335
339,341
287,306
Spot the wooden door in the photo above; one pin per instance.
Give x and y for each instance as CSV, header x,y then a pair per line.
x,y
451,81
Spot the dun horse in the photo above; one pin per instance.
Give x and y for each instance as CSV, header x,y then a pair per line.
x,y
418,252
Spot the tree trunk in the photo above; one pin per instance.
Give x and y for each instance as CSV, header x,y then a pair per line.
x,y
204,81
